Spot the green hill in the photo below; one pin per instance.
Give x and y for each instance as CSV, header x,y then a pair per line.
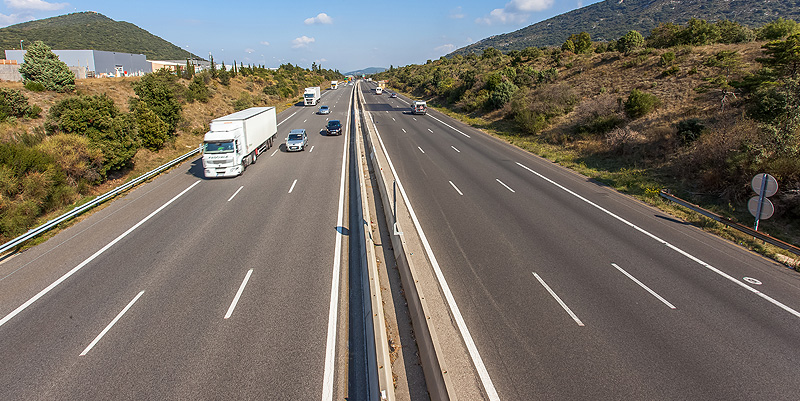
x,y
610,19
90,30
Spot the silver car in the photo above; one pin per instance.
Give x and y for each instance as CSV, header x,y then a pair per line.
x,y
324,110
297,140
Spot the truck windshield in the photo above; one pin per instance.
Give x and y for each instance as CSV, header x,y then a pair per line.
x,y
218,147
308,95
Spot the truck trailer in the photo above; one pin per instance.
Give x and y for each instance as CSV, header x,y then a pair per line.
x,y
419,107
311,96
235,141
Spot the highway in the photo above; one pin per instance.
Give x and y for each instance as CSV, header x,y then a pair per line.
x,y
193,288
573,291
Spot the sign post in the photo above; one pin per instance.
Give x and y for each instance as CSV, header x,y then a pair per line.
x,y
765,186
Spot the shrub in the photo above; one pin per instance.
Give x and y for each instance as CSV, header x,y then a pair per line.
x,y
640,104
601,124
271,90
43,66
97,118
667,59
501,94
14,104
631,41
34,86
689,130
80,161
778,29
198,90
161,92
151,131
245,101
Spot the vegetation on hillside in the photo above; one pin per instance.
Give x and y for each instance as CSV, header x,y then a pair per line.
x,y
610,19
700,115
93,31
43,70
115,127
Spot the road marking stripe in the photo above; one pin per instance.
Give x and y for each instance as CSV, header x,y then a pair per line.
x,y
305,120
454,148
404,130
273,153
449,126
110,325
311,150
420,149
333,312
653,293
238,294
293,184
430,130
393,119
560,302
234,194
486,381
503,184
456,188
287,118
415,119
673,247
90,258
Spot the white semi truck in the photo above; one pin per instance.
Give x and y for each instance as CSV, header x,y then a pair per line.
x,y
311,96
235,141
378,90
419,107
334,84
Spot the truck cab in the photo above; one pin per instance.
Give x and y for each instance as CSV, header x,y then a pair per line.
x,y
378,90
419,107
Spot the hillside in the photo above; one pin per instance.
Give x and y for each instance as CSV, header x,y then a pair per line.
x,y
90,30
610,19
366,71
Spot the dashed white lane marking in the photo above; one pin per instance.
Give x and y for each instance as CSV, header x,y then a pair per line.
x,y
292,188
503,184
234,194
305,120
430,130
415,119
393,119
673,247
311,150
420,149
560,302
110,325
456,188
454,148
404,130
90,258
238,294
653,293
273,153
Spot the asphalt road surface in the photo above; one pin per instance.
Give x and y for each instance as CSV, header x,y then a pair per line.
x,y
573,291
188,288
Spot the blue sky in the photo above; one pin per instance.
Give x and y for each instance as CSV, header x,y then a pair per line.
x,y
343,35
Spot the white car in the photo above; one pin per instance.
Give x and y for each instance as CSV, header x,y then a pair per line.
x,y
324,110
297,140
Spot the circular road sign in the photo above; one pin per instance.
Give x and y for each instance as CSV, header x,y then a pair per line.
x,y
771,188
767,209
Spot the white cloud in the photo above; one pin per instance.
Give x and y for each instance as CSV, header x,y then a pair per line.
x,y
457,13
265,43
321,18
34,5
6,20
249,50
302,42
445,48
515,12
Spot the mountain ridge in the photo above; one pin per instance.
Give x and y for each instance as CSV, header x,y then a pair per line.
x,y
89,30
611,19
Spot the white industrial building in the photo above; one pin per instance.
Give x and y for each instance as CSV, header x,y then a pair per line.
x,y
96,62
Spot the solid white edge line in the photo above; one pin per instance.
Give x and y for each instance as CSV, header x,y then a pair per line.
x,y
90,258
330,344
448,125
293,184
673,247
238,294
486,381
503,184
653,293
560,302
420,149
234,194
110,325
284,120
456,188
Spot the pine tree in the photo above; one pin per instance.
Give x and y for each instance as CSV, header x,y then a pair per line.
x,y
43,66
213,67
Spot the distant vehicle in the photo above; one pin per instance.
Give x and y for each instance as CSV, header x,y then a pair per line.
x,y
311,96
393,95
419,107
334,84
378,90
324,110
334,127
297,140
235,141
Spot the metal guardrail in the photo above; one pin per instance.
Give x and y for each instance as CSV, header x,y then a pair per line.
x,y
730,223
32,233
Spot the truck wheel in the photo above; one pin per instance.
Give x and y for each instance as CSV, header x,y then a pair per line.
x,y
254,157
